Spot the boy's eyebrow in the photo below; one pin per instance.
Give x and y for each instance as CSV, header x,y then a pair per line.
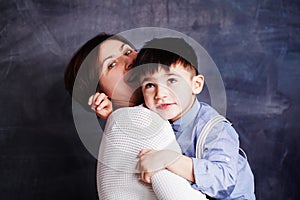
x,y
171,74
151,79
146,79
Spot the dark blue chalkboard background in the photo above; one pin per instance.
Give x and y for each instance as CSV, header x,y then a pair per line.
x,y
254,43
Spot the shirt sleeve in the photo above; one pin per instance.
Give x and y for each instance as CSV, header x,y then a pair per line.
x,y
216,174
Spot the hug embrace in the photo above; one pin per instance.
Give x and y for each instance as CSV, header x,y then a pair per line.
x,y
159,140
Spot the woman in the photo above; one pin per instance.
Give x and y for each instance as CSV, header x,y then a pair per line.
x,y
107,67
106,59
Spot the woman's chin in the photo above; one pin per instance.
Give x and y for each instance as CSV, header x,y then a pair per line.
x,y
137,97
127,97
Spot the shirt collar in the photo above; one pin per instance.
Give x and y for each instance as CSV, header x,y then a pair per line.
x,y
185,120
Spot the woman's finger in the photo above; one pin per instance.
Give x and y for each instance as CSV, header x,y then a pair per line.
x,y
103,104
90,100
95,98
101,97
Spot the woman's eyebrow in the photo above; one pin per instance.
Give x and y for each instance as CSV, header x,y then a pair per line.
x,y
108,57
122,47
111,56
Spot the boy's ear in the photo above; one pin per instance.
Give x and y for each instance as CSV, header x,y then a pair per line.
x,y
197,84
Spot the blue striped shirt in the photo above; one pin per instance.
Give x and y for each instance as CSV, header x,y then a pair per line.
x,y
222,173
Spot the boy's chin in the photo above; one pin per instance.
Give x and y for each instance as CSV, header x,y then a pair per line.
x,y
166,116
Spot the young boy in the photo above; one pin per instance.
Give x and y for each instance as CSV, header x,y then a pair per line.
x,y
170,85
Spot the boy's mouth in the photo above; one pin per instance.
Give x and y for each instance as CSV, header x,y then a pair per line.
x,y
165,106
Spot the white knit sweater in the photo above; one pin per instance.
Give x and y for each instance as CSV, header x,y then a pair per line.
x,y
127,131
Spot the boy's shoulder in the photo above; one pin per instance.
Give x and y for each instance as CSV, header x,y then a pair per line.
x,y
206,112
198,115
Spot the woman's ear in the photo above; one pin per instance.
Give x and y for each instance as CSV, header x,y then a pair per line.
x,y
197,84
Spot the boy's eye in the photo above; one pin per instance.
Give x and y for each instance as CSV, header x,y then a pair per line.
x,y
110,66
149,85
172,80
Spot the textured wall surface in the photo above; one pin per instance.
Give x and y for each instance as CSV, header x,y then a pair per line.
x,y
255,45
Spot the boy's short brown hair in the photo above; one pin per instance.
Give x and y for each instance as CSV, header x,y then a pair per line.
x,y
162,53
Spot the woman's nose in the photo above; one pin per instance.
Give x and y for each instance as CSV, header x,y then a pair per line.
x,y
128,60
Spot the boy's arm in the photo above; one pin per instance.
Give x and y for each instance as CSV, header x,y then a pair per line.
x,y
216,173
183,167
151,161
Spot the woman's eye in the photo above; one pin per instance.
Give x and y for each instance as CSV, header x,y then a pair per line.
x,y
111,65
128,52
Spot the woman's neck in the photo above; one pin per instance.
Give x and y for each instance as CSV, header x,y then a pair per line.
x,y
120,104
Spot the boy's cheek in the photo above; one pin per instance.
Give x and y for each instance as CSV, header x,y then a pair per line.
x,y
148,104
148,100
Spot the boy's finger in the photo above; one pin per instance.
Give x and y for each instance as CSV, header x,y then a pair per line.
x,y
142,176
137,167
147,178
143,151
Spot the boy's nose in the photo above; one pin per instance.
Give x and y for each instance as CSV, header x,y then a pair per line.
x,y
161,92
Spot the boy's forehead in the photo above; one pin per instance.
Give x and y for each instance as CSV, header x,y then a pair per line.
x,y
178,67
174,69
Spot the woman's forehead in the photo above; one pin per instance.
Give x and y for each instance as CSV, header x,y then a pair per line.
x,y
110,48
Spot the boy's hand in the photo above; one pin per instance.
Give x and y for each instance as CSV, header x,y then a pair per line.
x,y
100,103
151,161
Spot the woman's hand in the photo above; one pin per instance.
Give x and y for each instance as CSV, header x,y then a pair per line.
x,y
100,103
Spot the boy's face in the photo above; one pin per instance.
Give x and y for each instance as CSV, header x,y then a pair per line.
x,y
171,93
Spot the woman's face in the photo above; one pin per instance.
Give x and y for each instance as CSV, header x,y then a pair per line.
x,y
116,59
